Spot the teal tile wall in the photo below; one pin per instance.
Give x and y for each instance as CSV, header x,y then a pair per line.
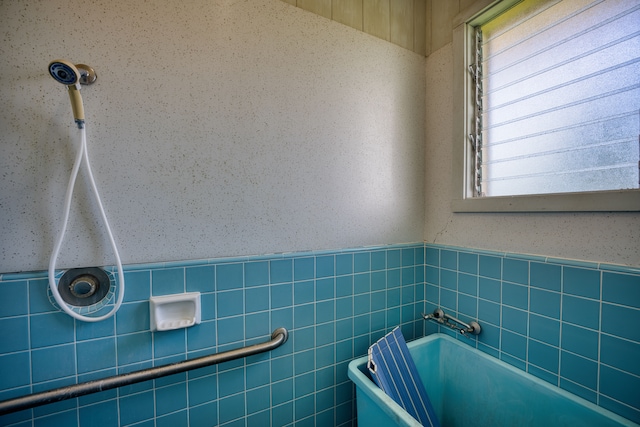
x,y
573,324
569,323
335,304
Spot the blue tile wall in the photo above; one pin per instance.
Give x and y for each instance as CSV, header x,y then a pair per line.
x,y
569,323
573,324
335,304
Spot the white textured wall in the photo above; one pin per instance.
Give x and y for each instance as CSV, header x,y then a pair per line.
x,y
602,237
216,128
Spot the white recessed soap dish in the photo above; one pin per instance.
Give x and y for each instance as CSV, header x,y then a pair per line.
x,y
176,311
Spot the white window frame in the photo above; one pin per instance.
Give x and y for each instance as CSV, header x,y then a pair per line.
x,y
463,199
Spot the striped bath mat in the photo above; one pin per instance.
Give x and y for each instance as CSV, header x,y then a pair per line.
x,y
394,371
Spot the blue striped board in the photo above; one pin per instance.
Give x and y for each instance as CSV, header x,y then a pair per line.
x,y
394,371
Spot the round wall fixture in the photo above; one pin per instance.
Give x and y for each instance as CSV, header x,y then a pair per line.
x,y
81,287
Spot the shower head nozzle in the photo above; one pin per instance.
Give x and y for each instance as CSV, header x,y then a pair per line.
x,y
64,72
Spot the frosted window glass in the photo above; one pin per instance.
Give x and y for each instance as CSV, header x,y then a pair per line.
x,y
561,98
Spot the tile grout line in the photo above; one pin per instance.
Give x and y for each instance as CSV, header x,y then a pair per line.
x,y
561,325
599,365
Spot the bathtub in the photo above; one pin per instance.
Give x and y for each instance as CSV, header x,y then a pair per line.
x,y
470,388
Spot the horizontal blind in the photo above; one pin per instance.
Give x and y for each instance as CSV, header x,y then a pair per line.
x,y
561,97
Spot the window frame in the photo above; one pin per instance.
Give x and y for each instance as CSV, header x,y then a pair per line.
x,y
463,199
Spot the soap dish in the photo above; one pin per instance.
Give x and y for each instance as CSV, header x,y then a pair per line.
x,y
177,311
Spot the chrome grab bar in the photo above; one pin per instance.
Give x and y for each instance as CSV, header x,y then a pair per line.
x,y
444,319
278,337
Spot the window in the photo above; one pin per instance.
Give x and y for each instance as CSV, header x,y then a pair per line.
x,y
549,95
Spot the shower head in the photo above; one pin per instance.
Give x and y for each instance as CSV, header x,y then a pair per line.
x,y
64,72
68,74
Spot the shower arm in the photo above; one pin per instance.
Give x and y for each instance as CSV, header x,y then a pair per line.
x,y
454,323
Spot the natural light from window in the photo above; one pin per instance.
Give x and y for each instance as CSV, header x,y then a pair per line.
x,y
558,93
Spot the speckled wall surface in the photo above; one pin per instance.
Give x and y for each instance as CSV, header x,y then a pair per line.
x,y
600,237
216,128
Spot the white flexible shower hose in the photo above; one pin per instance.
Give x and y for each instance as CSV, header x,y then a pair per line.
x,y
83,155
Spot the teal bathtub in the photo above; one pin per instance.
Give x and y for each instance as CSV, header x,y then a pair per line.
x,y
469,388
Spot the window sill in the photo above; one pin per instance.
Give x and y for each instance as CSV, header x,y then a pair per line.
x,y
606,201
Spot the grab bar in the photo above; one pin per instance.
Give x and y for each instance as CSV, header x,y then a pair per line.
x,y
451,322
278,337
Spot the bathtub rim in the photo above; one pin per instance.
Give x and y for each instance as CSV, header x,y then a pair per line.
x,y
363,383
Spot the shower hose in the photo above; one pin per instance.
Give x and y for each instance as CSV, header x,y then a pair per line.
x,y
81,156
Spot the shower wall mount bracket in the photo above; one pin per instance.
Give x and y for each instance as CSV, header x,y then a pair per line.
x,y
88,75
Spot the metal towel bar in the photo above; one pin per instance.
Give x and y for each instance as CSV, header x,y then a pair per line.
x,y
278,337
451,322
